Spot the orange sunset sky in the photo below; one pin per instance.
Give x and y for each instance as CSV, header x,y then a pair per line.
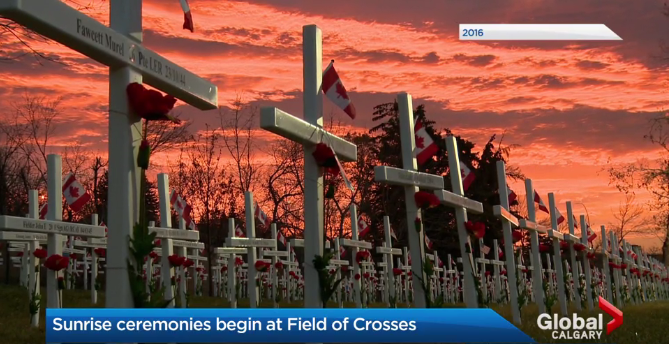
x,y
570,106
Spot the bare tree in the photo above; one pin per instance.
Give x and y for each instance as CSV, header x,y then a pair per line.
x,y
236,129
38,114
165,135
628,218
285,185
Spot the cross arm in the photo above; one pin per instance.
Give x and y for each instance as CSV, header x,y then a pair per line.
x,y
250,242
503,213
532,226
570,238
399,176
298,130
452,199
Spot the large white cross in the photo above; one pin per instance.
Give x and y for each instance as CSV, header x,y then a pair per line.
x,y
462,205
411,180
119,47
556,238
308,133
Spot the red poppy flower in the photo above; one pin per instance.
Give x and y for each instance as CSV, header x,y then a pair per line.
x,y
397,272
591,255
366,275
613,265
409,273
357,276
344,268
325,157
476,228
157,242
175,260
425,200
239,261
544,248
150,104
153,254
56,262
361,256
101,252
224,268
579,247
188,263
487,273
517,235
292,274
261,266
503,272
623,266
156,260
333,271
40,253
564,245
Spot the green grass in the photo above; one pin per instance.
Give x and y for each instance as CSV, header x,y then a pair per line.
x,y
647,323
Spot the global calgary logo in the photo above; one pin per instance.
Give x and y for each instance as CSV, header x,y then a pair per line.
x,y
581,328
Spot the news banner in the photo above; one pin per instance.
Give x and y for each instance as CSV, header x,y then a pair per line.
x,y
299,325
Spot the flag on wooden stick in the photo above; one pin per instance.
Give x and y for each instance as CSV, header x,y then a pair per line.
x,y
75,194
539,202
188,20
425,146
335,91
363,227
467,176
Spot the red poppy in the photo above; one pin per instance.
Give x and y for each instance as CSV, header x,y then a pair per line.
x,y
153,254
261,266
187,263
361,256
239,261
150,104
564,245
476,228
623,266
56,262
503,272
199,269
344,268
517,235
366,275
292,274
409,273
175,260
397,272
613,265
333,271
156,260
279,265
425,200
441,279
40,253
487,273
357,276
544,248
579,247
101,252
591,255
157,242
224,268
325,157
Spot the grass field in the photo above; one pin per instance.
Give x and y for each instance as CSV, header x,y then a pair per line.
x,y
643,324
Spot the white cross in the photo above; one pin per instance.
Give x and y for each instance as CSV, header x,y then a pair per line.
x,y
308,133
232,253
572,239
585,261
355,244
616,272
556,238
461,205
411,180
93,243
388,251
52,226
502,212
119,47
535,258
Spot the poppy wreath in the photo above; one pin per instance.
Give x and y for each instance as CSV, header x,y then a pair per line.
x,y
325,158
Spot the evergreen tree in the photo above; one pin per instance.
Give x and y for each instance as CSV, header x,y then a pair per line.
x,y
151,194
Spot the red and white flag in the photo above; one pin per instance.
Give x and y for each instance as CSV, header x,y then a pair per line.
x,y
281,239
486,249
409,257
540,203
500,253
393,236
429,243
239,232
574,222
188,20
467,176
425,146
43,211
343,251
183,209
335,91
363,227
261,216
560,218
295,256
512,198
591,234
75,194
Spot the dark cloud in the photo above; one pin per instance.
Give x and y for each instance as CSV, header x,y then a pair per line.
x,y
27,65
475,60
521,100
431,58
532,62
253,34
591,65
373,56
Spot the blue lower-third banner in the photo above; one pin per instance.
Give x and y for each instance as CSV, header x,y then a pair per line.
x,y
297,325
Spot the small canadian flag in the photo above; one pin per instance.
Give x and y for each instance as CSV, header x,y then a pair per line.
x,y
500,253
103,224
574,221
335,91
512,198
238,232
425,146
591,234
486,249
429,243
281,239
560,218
188,20
183,209
539,202
74,193
363,227
343,252
467,176
261,216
